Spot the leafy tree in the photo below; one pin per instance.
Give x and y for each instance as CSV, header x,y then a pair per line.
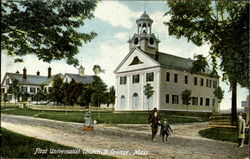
x,y
97,69
111,95
219,93
199,65
41,94
68,93
47,29
222,24
186,97
5,98
148,92
15,89
99,88
56,94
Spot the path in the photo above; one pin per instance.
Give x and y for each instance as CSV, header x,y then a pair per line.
x,y
184,143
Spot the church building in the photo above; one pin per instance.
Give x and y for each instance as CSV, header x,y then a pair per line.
x,y
169,75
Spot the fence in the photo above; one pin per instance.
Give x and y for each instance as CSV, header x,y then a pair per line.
x,y
220,121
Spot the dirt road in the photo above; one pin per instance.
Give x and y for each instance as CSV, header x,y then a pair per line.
x,y
185,143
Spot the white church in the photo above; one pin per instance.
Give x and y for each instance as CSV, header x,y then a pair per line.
x,y
169,75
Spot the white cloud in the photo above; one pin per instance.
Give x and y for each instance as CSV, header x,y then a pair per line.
x,y
158,26
115,13
123,36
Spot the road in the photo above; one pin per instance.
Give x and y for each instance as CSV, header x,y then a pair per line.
x,y
185,143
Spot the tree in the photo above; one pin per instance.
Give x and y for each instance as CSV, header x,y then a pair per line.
x,y
97,69
99,88
15,89
47,29
222,24
41,94
199,65
219,93
148,92
5,98
111,95
56,94
186,97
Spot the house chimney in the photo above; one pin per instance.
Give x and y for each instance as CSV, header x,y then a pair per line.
x,y
38,73
17,72
49,72
24,73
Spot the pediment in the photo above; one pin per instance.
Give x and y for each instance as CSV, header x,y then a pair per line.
x,y
136,60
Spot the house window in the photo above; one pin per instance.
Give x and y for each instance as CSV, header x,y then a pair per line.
x,y
175,78
201,101
175,99
186,79
7,81
136,78
167,98
195,80
32,89
123,80
168,76
207,83
214,84
150,77
194,100
207,102
202,81
50,89
2,90
24,89
38,89
213,102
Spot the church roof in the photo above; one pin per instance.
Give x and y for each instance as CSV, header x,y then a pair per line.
x,y
176,62
31,79
81,79
144,17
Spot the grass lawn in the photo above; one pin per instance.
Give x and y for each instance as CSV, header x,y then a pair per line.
x,y
223,134
107,117
19,146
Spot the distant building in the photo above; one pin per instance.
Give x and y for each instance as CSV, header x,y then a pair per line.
x,y
169,76
32,83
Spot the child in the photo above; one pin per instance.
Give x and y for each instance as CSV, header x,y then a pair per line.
x,y
165,130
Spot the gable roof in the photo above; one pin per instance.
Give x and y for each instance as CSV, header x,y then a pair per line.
x,y
81,79
31,79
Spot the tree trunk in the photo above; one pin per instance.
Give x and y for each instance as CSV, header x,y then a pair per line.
x,y
234,103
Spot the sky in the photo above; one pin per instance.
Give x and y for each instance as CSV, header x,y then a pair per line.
x,y
114,23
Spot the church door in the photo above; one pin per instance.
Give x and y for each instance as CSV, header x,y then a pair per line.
x,y
135,102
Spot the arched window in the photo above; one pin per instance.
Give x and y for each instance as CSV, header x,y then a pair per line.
x,y
135,101
123,102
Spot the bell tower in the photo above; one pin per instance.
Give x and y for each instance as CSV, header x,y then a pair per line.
x,y
144,38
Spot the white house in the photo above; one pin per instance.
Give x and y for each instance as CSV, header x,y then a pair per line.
x,y
169,76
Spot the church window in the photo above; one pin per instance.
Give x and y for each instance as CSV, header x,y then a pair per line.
x,y
207,102
168,76
194,100
151,41
201,101
186,79
136,61
195,80
213,102
123,80
175,78
136,41
207,83
123,104
136,78
210,83
175,99
167,98
214,84
202,81
150,77
135,101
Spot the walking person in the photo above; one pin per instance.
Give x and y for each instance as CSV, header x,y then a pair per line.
x,y
154,121
89,124
241,130
165,130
